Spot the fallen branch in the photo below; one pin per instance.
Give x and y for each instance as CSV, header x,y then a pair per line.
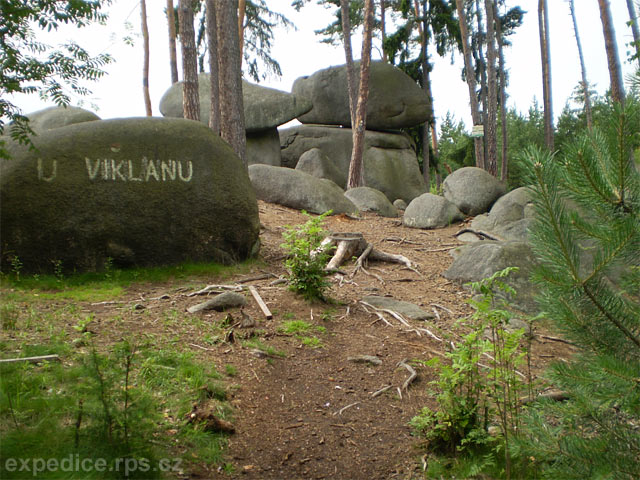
x,y
260,302
41,358
400,240
262,276
442,308
556,339
412,374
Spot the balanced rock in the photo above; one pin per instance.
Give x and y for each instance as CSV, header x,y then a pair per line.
x,y
143,191
369,199
299,190
480,260
473,190
390,161
431,211
56,117
395,100
264,108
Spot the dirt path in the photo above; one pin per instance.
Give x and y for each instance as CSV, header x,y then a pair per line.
x,y
307,410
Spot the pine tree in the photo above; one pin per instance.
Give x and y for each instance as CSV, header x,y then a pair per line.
x,y
587,237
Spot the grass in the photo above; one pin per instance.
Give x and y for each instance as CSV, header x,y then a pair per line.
x,y
124,401
299,328
129,402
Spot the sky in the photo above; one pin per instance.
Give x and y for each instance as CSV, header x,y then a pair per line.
x,y
300,53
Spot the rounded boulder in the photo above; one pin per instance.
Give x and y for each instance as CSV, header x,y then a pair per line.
x,y
140,191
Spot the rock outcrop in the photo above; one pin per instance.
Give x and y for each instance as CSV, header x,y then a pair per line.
x,y
390,163
395,100
140,191
264,108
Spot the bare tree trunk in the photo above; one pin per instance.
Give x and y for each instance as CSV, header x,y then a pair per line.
x,y
212,46
383,29
424,62
615,72
471,81
492,122
242,7
482,67
504,167
583,69
348,53
545,54
633,18
173,60
145,62
356,167
232,126
190,94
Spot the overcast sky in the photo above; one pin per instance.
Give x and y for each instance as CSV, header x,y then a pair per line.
x,y
299,53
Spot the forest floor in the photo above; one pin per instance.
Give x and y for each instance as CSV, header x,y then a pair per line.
x,y
302,408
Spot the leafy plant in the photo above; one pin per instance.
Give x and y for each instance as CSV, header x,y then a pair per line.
x,y
307,257
478,384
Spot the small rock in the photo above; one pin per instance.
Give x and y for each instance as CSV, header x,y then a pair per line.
x,y
366,359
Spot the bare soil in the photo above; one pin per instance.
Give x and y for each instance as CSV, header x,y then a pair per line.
x,y
311,413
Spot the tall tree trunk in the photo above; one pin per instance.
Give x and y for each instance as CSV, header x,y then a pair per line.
x,y
545,55
424,65
356,166
633,18
242,8
383,29
145,62
504,167
583,69
348,54
173,60
190,94
615,72
212,46
471,81
482,67
232,126
492,93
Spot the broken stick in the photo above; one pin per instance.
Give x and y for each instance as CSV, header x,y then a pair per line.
x,y
412,374
261,304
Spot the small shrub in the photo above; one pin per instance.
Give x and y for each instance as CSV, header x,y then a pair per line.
x,y
307,258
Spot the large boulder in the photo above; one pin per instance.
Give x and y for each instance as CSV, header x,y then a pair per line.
x,y
480,260
139,191
264,147
395,100
390,161
316,163
473,190
431,211
56,117
264,108
369,199
299,190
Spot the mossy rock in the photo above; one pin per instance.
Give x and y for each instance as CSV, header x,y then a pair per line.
x,y
140,191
